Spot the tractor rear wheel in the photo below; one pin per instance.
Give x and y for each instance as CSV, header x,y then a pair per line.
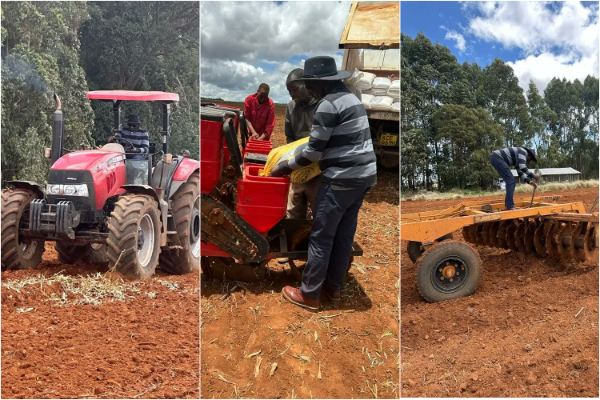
x,y
133,243
186,215
448,271
16,254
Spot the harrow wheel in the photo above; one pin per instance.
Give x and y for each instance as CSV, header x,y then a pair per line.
x,y
448,270
510,235
493,234
520,236
551,243
532,225
416,249
590,246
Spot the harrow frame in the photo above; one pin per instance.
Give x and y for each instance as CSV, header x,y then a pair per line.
x,y
563,231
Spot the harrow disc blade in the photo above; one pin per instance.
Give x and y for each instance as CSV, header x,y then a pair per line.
x,y
465,233
510,235
539,239
501,236
479,235
578,241
591,245
472,232
520,237
493,234
564,240
551,244
532,225
485,234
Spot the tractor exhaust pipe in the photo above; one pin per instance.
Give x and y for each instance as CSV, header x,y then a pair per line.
x,y
57,132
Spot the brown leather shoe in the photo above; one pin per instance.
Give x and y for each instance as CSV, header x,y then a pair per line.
x,y
331,295
295,296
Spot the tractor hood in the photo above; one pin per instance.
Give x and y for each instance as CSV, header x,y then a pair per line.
x,y
88,160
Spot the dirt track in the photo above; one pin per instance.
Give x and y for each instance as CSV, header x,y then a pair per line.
x,y
57,347
517,336
355,346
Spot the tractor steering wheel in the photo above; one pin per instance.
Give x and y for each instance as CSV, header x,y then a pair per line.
x,y
127,143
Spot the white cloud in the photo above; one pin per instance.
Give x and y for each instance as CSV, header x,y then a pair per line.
x,y
542,68
557,39
242,42
461,43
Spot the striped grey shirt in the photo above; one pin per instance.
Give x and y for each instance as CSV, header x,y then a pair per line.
x,y
516,157
140,139
340,141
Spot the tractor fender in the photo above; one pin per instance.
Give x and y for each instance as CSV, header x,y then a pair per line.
x,y
186,167
141,189
32,186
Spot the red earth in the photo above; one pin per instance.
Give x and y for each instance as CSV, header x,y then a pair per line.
x,y
67,335
529,330
254,344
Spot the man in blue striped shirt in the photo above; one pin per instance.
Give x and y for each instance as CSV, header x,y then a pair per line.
x,y
139,138
340,141
516,157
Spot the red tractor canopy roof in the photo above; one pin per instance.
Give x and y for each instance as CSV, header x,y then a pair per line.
x,y
132,95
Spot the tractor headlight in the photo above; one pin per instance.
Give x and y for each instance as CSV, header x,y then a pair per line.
x,y
68,190
52,189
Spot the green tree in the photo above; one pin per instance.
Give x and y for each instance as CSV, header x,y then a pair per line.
x,y
40,57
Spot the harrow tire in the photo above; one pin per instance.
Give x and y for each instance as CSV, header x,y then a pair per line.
x,y
433,258
416,250
15,203
124,239
187,223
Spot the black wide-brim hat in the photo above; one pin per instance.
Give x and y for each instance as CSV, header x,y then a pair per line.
x,y
133,119
322,68
531,153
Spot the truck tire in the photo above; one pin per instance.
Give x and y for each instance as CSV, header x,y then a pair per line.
x,y
388,161
448,270
416,250
185,208
133,244
17,255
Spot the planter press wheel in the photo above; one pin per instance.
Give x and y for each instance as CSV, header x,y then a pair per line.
x,y
416,249
448,270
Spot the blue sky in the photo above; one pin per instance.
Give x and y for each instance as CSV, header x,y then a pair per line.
x,y
539,40
263,42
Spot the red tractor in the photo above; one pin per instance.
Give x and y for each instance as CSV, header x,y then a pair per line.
x,y
102,205
244,222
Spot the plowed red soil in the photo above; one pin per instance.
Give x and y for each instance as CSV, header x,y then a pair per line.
x,y
529,330
143,347
348,350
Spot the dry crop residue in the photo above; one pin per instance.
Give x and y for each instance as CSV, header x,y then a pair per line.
x,y
254,344
70,331
529,330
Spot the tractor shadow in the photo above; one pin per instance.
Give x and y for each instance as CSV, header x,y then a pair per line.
x,y
354,296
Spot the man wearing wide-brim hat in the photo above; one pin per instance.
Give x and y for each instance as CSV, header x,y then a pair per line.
x,y
517,157
340,140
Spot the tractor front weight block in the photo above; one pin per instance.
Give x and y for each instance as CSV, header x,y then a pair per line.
x,y
54,220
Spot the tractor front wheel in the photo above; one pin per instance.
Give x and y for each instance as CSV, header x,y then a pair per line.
x,y
448,270
133,243
185,207
16,253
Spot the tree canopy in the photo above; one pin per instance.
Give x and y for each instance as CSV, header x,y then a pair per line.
x,y
69,48
453,116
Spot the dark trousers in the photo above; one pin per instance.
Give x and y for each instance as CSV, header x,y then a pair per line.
x,y
331,238
504,171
